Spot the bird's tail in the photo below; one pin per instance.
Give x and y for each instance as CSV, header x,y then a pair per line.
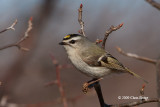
x,y
136,75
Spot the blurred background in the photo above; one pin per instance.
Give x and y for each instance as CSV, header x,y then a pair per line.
x,y
24,74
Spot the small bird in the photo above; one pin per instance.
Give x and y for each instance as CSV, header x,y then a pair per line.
x,y
92,60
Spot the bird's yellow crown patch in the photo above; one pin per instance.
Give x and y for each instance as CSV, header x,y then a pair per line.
x,y
68,36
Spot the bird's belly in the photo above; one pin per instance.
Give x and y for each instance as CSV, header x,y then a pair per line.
x,y
95,72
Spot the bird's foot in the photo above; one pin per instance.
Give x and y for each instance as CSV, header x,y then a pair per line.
x,y
90,84
85,87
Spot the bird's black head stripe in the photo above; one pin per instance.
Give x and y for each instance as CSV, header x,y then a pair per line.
x,y
69,36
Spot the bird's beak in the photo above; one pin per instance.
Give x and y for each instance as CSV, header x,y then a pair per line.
x,y
63,43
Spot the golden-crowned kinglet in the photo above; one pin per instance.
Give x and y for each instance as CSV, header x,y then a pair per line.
x,y
90,59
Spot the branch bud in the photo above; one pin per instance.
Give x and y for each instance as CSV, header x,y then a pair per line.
x,y
81,5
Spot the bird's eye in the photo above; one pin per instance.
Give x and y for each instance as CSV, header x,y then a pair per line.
x,y
72,41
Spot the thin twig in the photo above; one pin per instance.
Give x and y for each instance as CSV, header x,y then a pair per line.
x,y
153,61
27,31
109,31
142,90
18,43
58,81
154,4
97,80
80,20
98,41
10,27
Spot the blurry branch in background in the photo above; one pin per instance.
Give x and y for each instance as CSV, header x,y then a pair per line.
x,y
153,61
59,84
58,80
149,60
10,27
154,4
80,20
18,43
63,99
109,31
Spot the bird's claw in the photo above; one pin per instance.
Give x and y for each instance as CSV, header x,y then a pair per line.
x,y
85,88
90,84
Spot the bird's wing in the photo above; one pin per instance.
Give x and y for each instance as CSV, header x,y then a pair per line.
x,y
91,60
91,55
108,61
111,62
102,60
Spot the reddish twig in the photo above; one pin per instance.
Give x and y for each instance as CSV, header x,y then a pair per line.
x,y
136,56
80,20
18,43
142,90
98,41
154,4
58,81
10,27
109,31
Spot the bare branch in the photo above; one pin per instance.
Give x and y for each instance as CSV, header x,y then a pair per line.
x,y
10,27
136,56
17,44
154,4
80,20
8,46
109,31
27,31
58,81
136,103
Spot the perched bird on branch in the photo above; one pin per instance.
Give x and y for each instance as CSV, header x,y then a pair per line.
x,y
91,59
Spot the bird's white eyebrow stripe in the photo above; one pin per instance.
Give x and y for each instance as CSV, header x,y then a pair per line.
x,y
75,38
